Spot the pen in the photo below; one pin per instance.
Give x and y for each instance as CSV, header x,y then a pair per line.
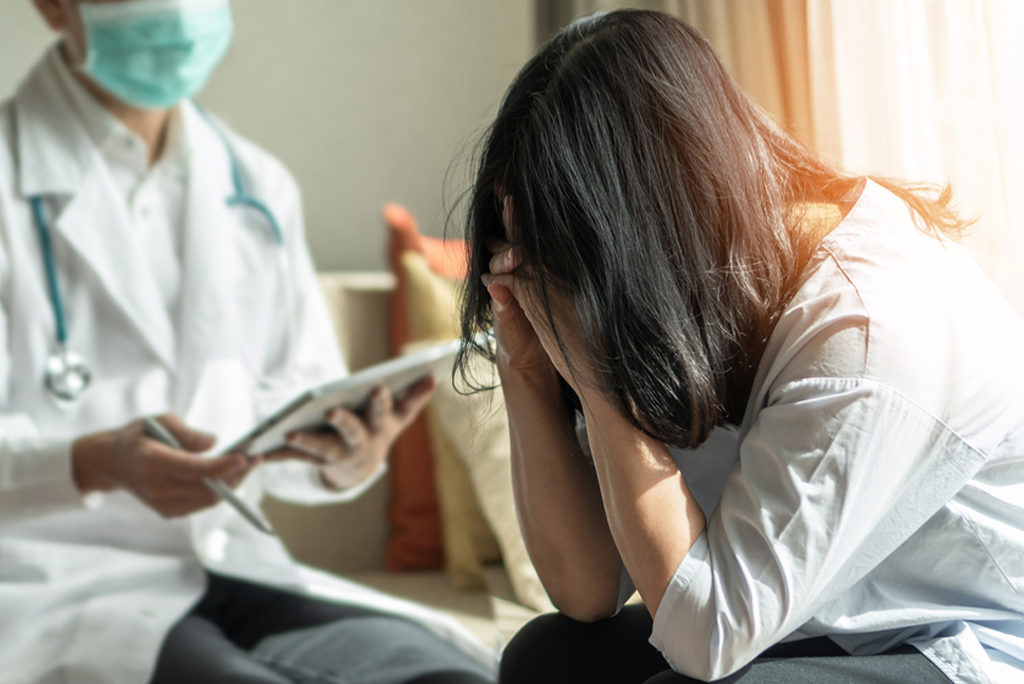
x,y
158,432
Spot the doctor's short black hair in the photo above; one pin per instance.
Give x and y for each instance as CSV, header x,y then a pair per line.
x,y
653,194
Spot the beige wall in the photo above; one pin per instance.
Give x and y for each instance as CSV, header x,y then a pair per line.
x,y
366,102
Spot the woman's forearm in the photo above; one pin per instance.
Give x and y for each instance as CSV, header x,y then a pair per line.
x,y
559,502
651,513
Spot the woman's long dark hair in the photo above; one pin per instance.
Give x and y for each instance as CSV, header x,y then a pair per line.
x,y
650,191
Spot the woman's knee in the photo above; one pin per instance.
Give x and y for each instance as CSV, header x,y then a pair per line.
x,y
537,648
555,648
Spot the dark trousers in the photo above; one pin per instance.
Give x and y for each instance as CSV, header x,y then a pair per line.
x,y
553,648
242,632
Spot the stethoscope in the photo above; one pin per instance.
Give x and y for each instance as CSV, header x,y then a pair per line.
x,y
67,375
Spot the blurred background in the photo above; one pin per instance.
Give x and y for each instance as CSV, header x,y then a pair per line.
x,y
369,102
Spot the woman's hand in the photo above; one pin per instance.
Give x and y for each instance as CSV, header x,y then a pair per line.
x,y
557,497
519,349
526,340
170,481
356,445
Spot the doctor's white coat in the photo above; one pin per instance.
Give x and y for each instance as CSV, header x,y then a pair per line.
x,y
89,588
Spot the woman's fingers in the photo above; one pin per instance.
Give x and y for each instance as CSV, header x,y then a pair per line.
x,y
508,295
500,295
506,260
497,244
507,215
505,280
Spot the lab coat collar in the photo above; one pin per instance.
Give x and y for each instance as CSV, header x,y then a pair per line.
x,y
58,158
55,152
96,119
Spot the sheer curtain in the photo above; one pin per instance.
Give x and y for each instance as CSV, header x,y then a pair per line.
x,y
763,42
930,90
927,90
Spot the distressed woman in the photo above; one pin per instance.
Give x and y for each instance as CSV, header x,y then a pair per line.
x,y
776,399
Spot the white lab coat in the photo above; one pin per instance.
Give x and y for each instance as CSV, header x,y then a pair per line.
x,y
89,588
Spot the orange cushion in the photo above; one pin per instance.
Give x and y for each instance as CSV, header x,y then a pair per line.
x,y
416,534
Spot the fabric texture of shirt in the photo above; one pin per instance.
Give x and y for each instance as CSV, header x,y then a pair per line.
x,y
875,490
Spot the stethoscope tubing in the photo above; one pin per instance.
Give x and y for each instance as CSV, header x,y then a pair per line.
x,y
240,198
46,245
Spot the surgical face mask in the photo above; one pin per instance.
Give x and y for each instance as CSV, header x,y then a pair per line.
x,y
152,54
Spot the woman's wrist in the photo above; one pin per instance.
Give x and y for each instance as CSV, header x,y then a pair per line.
x,y
540,379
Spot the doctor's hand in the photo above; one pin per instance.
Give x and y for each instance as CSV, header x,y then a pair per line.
x,y
170,481
357,444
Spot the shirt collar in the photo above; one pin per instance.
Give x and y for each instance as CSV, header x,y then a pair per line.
x,y
115,140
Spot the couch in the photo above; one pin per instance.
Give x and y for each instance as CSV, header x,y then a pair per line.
x,y
350,539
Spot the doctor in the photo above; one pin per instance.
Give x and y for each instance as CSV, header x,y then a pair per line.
x,y
153,263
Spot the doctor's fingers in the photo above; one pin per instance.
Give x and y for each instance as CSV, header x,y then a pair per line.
x,y
323,447
350,426
175,503
163,461
409,406
189,438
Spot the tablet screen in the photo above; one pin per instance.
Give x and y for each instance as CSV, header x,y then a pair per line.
x,y
307,411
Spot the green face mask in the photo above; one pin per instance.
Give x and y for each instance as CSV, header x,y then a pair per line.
x,y
152,54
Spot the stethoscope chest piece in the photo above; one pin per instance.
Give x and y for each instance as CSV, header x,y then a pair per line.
x,y
67,375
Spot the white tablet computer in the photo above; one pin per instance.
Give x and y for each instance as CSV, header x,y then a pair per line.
x,y
307,411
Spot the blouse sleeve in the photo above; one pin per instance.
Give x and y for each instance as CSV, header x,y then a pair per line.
x,y
833,476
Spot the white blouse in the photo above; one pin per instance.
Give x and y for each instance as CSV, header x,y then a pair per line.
x,y
875,490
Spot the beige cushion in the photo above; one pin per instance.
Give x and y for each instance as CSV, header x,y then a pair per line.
x,y
471,440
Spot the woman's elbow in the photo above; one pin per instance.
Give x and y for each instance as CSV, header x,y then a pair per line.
x,y
709,660
582,605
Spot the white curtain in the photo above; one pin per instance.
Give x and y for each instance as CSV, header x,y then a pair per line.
x,y
925,90
762,42
930,90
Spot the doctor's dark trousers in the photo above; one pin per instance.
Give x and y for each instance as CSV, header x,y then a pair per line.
x,y
242,632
